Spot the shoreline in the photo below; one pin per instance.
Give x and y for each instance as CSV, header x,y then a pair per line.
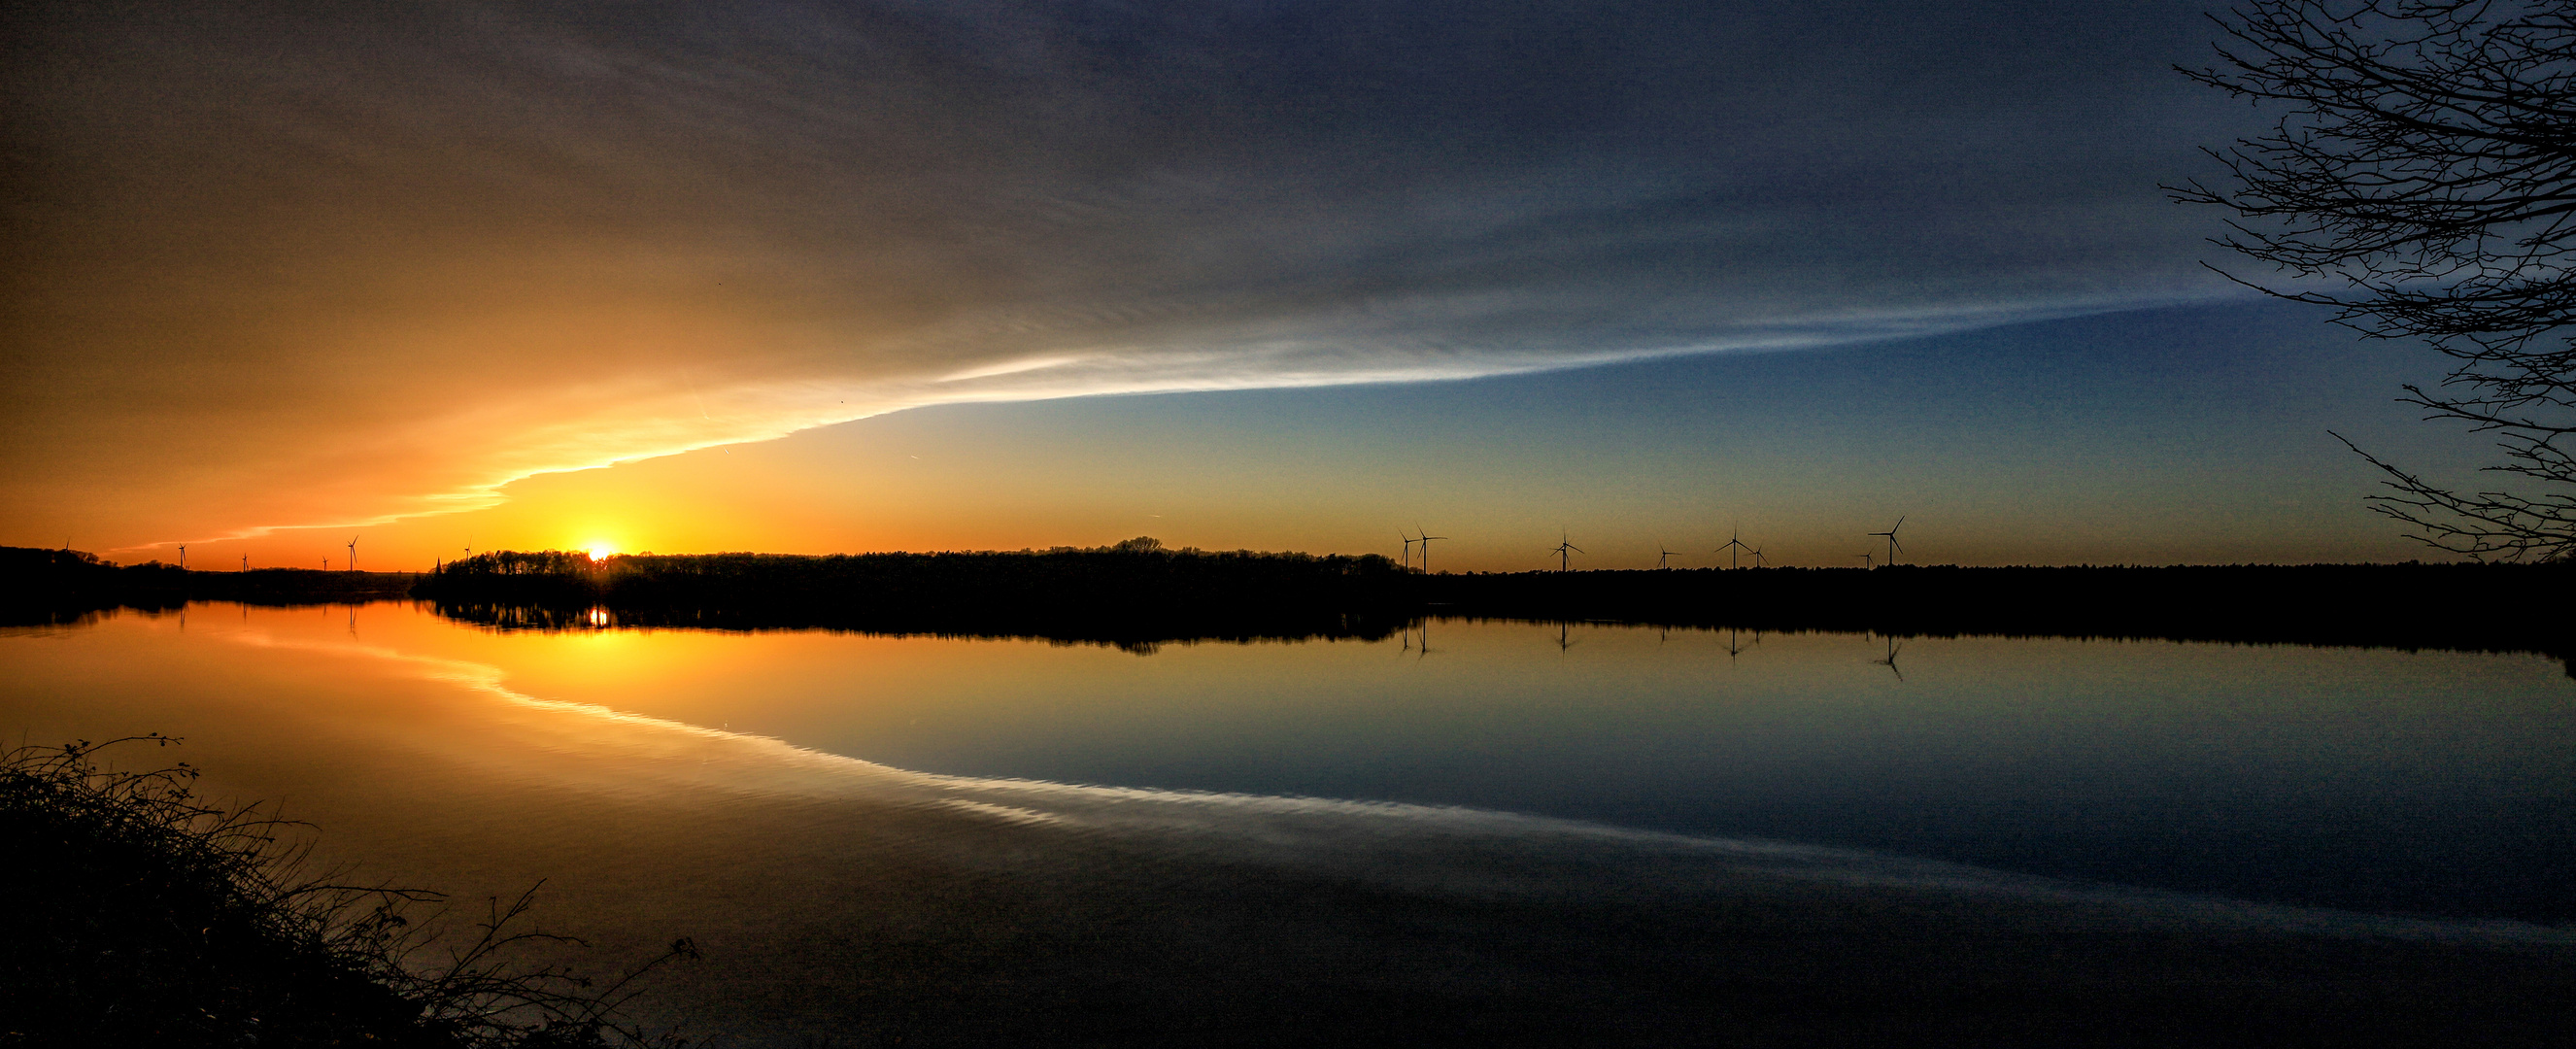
x,y
1140,598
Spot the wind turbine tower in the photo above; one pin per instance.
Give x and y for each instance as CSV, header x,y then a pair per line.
x,y
183,557
1894,648
1734,543
1408,547
353,553
1665,559
1563,545
1893,547
1425,540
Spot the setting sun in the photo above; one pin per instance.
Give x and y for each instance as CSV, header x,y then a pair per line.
x,y
600,551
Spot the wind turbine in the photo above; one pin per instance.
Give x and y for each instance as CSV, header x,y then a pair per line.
x,y
353,553
1425,540
245,562
1564,543
1760,561
1733,544
1867,559
1408,547
1892,545
183,557
1893,647
1664,560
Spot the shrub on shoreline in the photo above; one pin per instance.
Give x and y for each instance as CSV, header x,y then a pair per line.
x,y
140,914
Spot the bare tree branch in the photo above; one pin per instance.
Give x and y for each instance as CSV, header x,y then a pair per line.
x,y
2425,169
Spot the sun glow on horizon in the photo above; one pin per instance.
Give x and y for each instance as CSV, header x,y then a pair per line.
x,y
599,550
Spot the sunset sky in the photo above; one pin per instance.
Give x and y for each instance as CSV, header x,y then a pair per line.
x,y
969,275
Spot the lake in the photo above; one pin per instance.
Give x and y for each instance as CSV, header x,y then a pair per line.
x,y
1497,831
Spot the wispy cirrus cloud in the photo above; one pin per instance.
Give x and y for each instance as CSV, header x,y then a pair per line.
x,y
289,266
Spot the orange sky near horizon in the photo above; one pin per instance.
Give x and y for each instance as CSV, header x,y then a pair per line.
x,y
866,276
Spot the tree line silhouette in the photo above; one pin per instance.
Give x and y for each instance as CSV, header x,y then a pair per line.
x,y
1137,592
2469,607
39,585
1140,593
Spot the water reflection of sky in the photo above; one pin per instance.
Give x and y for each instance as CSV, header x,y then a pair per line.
x,y
2374,780
673,783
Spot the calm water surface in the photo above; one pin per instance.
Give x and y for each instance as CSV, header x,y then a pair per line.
x,y
679,781
2438,783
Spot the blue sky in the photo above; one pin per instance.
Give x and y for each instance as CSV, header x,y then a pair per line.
x,y
279,271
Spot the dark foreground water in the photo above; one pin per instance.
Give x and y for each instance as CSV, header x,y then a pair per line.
x,y
1522,834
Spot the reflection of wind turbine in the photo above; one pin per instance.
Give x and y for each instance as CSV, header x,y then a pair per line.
x,y
1893,647
1893,547
1734,643
1563,544
1563,642
1425,539
353,555
1733,544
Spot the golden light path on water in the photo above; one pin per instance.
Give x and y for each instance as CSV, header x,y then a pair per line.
x,y
819,879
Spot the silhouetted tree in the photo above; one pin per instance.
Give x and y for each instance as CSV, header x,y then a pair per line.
x,y
2427,164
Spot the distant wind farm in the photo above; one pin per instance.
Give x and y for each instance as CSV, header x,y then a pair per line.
x,y
917,476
